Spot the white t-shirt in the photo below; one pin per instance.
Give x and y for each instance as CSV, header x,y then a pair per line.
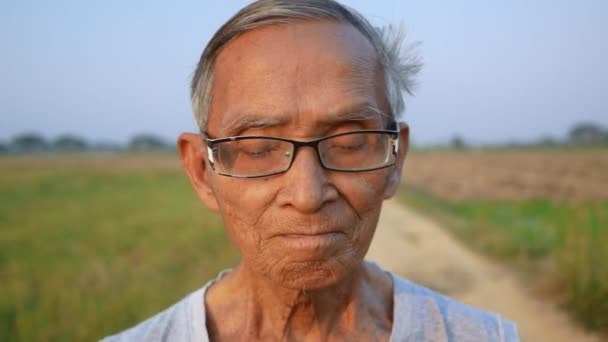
x,y
419,314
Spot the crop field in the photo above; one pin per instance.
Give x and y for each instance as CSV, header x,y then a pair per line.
x,y
571,176
92,245
545,212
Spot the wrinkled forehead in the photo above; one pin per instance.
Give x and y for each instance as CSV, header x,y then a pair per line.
x,y
322,39
300,72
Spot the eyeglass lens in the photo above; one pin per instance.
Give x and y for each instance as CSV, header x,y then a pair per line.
x,y
259,156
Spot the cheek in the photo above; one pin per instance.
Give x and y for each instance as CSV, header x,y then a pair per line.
x,y
242,205
364,193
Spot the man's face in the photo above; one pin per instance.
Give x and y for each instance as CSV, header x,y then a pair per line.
x,y
308,227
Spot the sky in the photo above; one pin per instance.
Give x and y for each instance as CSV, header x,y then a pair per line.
x,y
494,71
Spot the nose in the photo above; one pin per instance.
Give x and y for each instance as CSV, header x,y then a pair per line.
x,y
307,186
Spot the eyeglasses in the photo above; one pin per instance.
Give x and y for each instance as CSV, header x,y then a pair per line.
x,y
260,156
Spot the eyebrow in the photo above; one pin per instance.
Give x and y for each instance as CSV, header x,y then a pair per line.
x,y
363,112
250,121
360,112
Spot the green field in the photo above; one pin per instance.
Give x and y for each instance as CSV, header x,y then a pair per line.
x,y
92,245
561,247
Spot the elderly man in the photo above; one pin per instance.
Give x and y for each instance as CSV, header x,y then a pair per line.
x,y
300,105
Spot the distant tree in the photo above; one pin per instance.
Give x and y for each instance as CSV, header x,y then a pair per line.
x,y
458,143
29,142
3,148
70,143
147,142
547,141
587,133
104,146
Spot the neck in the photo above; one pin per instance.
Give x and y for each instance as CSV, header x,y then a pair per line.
x,y
267,310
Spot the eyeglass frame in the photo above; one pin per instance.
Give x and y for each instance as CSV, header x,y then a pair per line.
x,y
314,143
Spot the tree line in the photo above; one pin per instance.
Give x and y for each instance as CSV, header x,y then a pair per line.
x,y
581,134
31,142
584,134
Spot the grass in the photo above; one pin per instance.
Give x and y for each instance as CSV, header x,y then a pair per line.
x,y
91,246
564,244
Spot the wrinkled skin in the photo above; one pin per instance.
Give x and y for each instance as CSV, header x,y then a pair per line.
x,y
302,234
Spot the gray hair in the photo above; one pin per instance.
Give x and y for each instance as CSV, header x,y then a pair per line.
x,y
399,65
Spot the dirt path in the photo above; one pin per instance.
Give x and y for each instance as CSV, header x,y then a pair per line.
x,y
417,248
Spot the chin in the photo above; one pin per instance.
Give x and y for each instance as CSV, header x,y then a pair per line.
x,y
312,275
308,262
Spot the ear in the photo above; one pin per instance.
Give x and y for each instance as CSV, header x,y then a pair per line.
x,y
394,177
193,153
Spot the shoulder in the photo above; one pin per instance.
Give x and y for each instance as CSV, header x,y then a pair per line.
x,y
423,314
173,324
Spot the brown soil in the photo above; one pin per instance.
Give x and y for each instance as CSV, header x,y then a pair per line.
x,y
417,248
511,175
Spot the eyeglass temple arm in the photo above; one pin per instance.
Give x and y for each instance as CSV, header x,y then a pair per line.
x,y
396,144
210,155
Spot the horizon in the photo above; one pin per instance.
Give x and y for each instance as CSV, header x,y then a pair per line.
x,y
539,141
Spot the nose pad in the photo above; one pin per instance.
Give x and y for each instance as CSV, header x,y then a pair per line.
x,y
287,154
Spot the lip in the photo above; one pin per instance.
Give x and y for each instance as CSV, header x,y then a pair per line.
x,y
311,241
298,235
296,232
